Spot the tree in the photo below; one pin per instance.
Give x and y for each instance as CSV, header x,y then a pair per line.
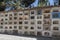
x,y
2,5
42,2
27,2
16,4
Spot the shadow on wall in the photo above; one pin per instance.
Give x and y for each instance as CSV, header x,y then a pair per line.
x,y
46,38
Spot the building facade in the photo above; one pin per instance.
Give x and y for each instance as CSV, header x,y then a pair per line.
x,y
39,21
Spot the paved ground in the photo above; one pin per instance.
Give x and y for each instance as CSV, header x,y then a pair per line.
x,y
17,37
11,37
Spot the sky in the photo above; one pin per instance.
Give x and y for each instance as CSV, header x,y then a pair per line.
x,y
36,2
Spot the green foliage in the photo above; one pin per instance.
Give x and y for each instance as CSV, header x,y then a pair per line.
x,y
27,2
16,4
42,3
2,5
